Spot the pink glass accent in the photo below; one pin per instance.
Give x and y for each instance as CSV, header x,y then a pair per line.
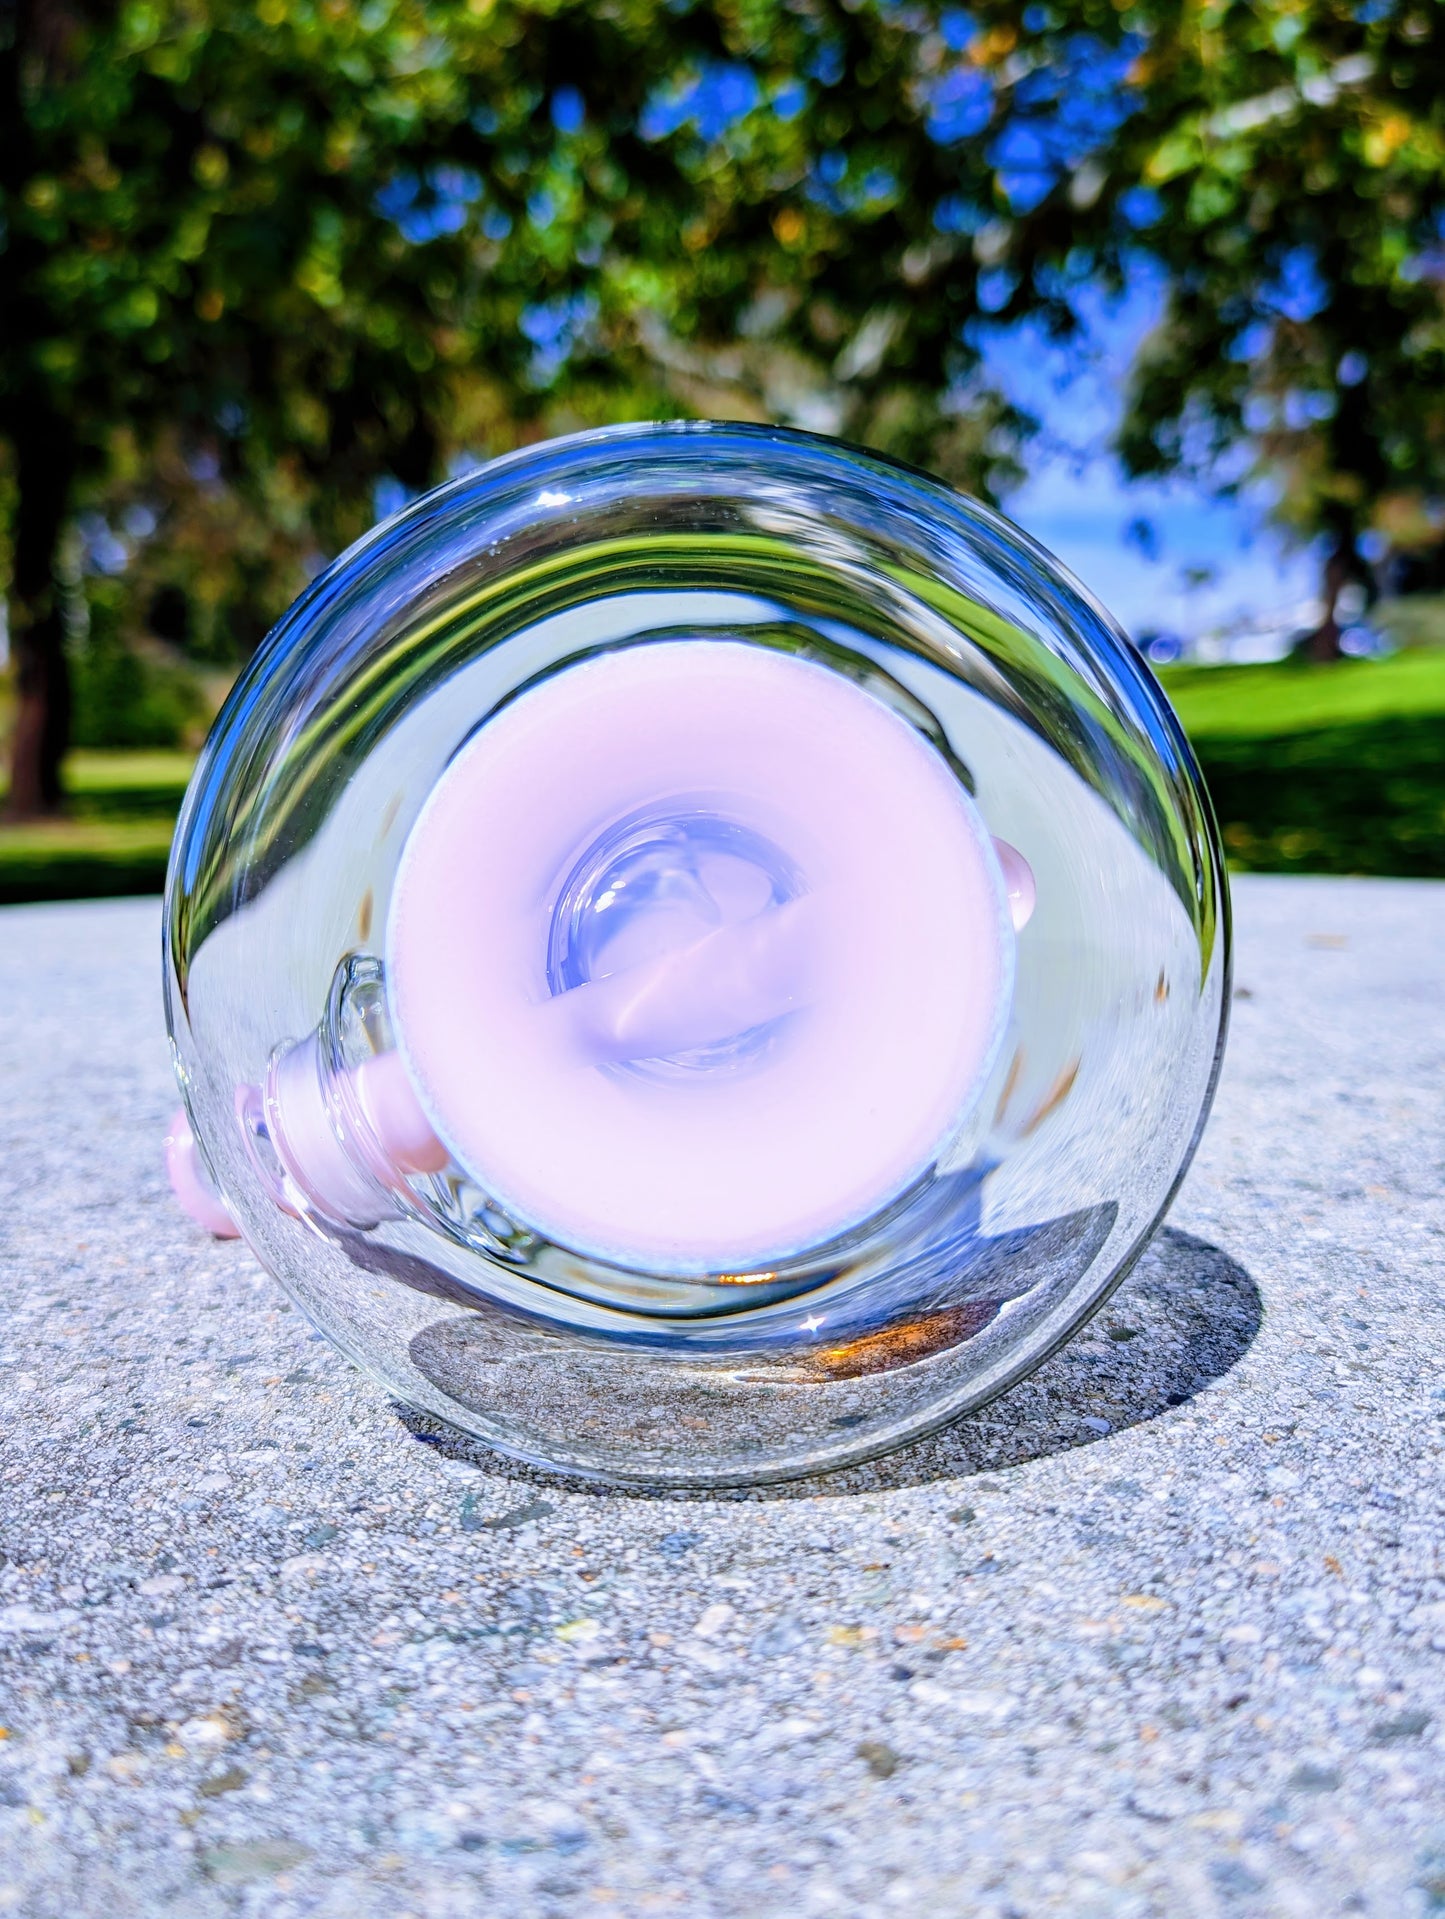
x,y
341,1146
402,1130
189,1183
1018,880
880,988
337,1182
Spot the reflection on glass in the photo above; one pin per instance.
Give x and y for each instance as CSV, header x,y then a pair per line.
x,y
859,1029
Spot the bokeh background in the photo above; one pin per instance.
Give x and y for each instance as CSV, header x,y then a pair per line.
x,y
1163,278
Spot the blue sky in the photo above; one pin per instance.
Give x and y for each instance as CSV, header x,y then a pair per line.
x,y
1077,503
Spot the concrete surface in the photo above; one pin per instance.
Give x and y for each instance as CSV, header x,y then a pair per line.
x,y
1162,1633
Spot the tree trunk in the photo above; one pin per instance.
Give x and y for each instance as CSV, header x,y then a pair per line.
x,y
41,731
39,439
1341,567
44,466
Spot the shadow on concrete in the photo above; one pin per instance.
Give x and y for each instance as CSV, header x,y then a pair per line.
x,y
1185,1315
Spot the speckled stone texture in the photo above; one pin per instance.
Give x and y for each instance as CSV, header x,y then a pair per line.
x,y
1161,1633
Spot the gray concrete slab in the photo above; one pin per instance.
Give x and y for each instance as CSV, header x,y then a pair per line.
x,y
1161,1633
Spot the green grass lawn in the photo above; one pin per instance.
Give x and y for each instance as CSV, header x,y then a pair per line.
x,y
114,839
1323,769
1266,702
1313,769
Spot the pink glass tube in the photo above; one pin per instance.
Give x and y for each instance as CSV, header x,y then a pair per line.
x,y
698,956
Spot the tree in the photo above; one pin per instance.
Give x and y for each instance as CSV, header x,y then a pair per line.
x,y
303,245
1281,163
1294,159
208,223
254,259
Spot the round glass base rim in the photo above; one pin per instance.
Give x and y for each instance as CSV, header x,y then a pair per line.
x,y
581,1475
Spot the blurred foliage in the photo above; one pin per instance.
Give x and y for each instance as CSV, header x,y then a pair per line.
x,y
128,694
1295,159
268,268
1414,622
263,256
258,261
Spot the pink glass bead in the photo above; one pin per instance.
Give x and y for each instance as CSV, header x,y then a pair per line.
x,y
192,1189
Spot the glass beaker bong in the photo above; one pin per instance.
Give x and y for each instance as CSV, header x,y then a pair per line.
x,y
696,954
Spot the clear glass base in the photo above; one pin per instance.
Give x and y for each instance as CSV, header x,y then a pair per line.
x,y
952,1276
